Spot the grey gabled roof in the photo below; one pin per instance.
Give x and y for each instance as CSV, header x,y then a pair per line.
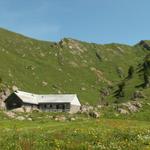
x,y
50,98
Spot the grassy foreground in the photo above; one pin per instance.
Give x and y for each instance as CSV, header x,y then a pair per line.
x,y
83,133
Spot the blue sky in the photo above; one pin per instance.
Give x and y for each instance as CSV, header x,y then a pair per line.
x,y
99,21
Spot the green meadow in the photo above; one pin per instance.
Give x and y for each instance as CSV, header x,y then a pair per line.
x,y
82,134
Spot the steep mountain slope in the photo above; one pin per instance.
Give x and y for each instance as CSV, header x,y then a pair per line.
x,y
69,66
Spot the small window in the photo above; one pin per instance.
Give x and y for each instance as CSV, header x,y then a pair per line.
x,y
57,106
67,106
45,106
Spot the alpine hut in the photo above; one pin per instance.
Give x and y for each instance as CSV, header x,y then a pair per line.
x,y
49,103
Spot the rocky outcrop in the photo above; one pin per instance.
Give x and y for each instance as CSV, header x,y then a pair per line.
x,y
14,88
20,118
129,107
60,118
44,83
90,110
3,95
94,114
86,108
138,94
144,44
123,111
10,114
17,115
19,110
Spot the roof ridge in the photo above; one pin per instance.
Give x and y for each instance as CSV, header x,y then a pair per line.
x,y
18,91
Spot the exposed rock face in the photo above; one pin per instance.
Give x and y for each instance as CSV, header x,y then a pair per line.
x,y
83,88
2,105
91,111
72,119
6,92
60,118
138,94
129,107
30,119
14,88
94,114
19,110
99,106
28,109
100,75
44,83
137,104
16,115
86,108
144,44
75,46
10,114
123,111
132,108
3,95
20,118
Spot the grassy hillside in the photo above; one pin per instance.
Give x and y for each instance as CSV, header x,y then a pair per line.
x,y
107,73
69,66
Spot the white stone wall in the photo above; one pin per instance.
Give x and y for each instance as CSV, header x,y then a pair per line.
x,y
29,107
74,108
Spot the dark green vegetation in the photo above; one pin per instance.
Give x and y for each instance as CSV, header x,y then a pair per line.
x,y
72,66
